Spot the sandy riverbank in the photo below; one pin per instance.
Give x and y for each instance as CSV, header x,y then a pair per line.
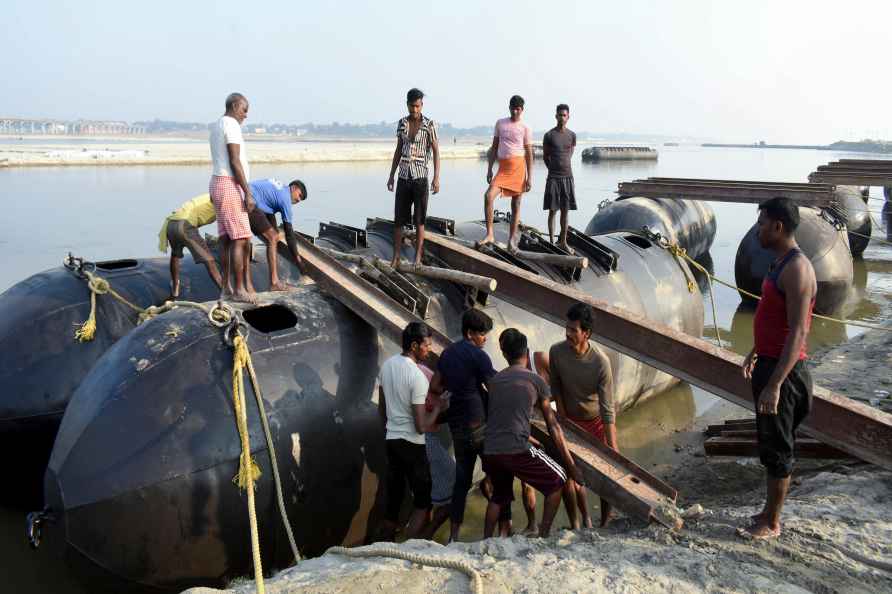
x,y
837,527
155,151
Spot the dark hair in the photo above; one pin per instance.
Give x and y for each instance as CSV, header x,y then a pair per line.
x,y
582,313
562,107
415,332
474,320
301,186
414,95
513,344
233,99
782,210
515,101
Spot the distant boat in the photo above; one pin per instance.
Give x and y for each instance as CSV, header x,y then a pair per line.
x,y
615,153
670,144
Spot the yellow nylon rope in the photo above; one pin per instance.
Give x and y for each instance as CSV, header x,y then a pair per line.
x,y
248,471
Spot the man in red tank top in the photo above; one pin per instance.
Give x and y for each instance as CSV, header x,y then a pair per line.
x,y
782,386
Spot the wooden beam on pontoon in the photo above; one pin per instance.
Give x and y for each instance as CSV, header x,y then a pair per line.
x,y
729,191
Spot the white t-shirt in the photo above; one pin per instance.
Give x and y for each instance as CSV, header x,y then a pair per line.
x,y
404,385
225,131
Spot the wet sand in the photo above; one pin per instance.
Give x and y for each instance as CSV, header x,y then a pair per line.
x,y
173,151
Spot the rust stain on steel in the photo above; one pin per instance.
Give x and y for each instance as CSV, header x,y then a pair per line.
x,y
603,469
850,426
632,489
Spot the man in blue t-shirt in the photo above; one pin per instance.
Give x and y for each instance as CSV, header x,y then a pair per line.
x,y
463,370
271,197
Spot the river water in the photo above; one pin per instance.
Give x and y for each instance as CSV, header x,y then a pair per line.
x,y
115,212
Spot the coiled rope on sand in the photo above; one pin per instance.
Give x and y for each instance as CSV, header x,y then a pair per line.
x,y
427,560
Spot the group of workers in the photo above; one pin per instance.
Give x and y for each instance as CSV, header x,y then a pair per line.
x,y
488,413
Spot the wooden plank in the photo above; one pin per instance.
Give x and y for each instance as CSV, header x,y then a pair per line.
x,y
749,448
853,427
746,183
633,489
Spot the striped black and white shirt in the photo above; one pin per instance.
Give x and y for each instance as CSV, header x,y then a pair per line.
x,y
416,151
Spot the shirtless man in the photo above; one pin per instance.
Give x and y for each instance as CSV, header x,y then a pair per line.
x,y
782,385
512,143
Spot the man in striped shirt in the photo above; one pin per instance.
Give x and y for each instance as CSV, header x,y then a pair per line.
x,y
416,142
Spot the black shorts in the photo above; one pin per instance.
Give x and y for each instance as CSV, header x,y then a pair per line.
x,y
411,195
407,462
560,194
259,222
181,234
777,433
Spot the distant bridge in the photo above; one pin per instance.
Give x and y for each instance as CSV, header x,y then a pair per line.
x,y
60,127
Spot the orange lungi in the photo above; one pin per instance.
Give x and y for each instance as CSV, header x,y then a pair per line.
x,y
511,175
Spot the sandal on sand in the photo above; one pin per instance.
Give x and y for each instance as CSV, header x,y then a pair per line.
x,y
745,534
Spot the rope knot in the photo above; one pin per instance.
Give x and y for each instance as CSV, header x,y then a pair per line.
x,y
97,284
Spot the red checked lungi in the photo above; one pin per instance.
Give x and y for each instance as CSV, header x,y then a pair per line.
x,y
229,204
594,427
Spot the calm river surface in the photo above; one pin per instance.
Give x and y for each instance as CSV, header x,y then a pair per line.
x,y
115,212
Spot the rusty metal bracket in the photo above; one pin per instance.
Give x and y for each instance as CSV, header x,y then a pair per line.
x,y
440,225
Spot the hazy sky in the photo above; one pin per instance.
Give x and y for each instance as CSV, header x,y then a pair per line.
x,y
782,71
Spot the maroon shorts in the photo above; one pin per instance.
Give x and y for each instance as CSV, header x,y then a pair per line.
x,y
534,467
594,427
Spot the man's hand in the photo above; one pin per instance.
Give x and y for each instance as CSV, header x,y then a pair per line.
x,y
249,201
748,365
527,185
768,400
435,185
390,184
489,176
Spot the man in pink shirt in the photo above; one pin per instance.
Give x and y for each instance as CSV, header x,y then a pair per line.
x,y
513,145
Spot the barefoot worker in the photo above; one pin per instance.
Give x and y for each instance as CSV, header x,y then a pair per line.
x,y
402,393
507,452
782,386
582,386
180,230
512,143
271,196
560,193
416,142
231,194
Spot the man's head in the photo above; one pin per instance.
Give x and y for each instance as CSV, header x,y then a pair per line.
x,y
475,325
580,321
515,106
778,219
415,102
237,107
514,346
562,114
298,191
417,340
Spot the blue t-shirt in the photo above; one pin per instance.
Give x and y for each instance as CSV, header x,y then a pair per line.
x,y
463,368
272,197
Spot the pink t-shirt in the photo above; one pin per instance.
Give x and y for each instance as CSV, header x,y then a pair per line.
x,y
513,136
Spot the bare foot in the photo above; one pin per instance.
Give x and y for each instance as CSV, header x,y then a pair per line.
x,y
244,297
279,286
759,531
395,263
566,248
489,239
531,530
417,263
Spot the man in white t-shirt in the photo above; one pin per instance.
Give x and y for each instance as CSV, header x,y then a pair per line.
x,y
231,195
402,393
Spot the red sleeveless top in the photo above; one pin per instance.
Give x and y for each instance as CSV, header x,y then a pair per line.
x,y
770,328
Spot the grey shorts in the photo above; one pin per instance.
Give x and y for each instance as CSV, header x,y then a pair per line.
x,y
181,234
560,194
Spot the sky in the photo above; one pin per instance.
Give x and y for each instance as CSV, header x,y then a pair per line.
x,y
781,71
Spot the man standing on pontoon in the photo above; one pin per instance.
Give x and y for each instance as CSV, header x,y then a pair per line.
x,y
416,142
512,143
231,195
560,193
